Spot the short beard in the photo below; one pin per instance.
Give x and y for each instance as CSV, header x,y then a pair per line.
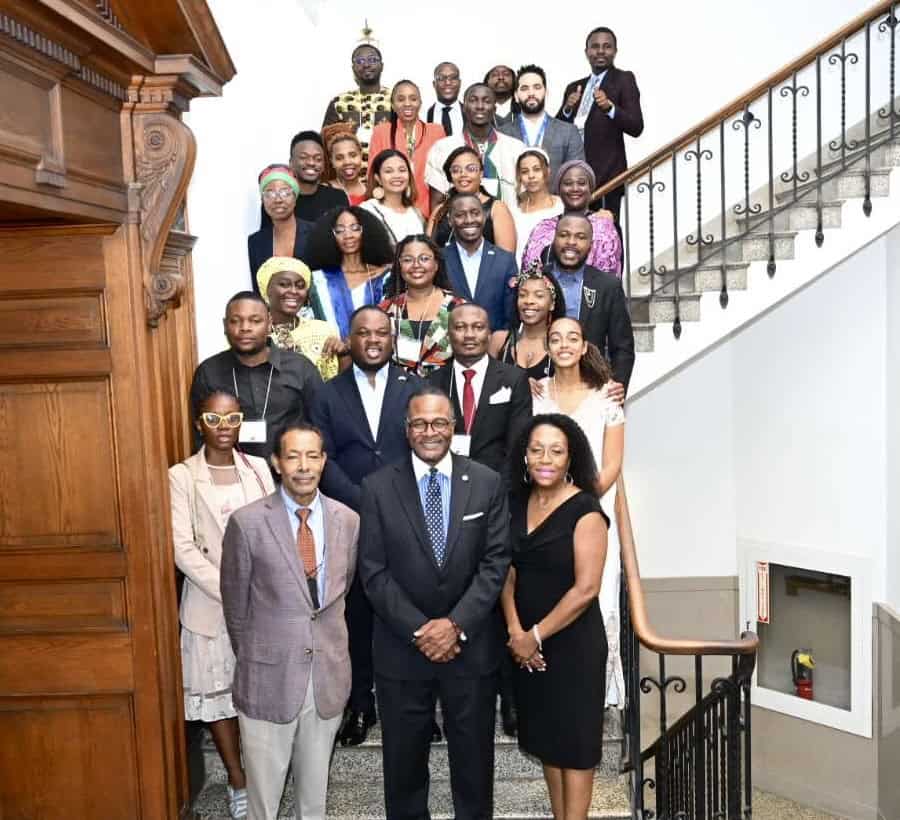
x,y
370,367
561,266
537,110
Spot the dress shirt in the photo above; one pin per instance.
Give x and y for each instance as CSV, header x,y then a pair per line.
x,y
503,108
295,381
532,128
456,117
445,473
372,397
316,522
480,368
471,263
571,283
584,106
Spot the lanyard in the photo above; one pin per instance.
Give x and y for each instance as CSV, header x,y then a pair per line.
x,y
540,134
268,388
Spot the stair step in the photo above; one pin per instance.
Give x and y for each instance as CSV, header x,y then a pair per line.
x,y
848,184
755,247
662,308
802,215
643,336
709,277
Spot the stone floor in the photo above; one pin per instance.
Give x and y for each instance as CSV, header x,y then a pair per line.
x,y
770,807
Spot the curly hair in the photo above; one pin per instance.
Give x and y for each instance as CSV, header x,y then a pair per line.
x,y
322,249
396,284
411,192
330,171
582,467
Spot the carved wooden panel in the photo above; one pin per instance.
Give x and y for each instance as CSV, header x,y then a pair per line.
x,y
57,476
62,606
42,260
91,743
25,113
91,137
52,321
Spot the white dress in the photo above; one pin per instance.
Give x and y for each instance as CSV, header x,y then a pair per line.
x,y
525,223
399,226
595,413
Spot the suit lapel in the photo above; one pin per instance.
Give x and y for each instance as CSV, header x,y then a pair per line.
x,y
460,487
345,384
277,519
488,255
488,388
462,283
408,496
391,412
335,557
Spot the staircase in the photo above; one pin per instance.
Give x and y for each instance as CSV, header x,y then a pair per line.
x,y
356,787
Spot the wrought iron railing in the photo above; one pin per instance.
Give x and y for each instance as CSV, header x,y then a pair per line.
x,y
735,175
701,762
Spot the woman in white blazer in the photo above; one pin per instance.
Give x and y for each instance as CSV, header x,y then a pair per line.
x,y
205,489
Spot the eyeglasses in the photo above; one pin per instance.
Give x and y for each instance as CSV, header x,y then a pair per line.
x,y
342,229
421,425
472,168
361,61
424,259
279,194
447,78
216,420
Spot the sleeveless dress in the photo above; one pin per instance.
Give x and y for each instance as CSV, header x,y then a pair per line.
x,y
541,369
560,710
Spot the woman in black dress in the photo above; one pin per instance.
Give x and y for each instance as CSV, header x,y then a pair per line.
x,y
556,633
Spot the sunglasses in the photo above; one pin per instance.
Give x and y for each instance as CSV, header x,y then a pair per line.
x,y
216,420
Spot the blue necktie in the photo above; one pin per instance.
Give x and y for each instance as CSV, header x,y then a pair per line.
x,y
434,515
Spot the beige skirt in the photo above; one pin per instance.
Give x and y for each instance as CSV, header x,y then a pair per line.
x,y
207,672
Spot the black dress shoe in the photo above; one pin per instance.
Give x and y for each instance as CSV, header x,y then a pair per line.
x,y
356,728
436,734
508,718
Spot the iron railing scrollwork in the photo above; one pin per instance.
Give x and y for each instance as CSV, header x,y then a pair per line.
x,y
824,116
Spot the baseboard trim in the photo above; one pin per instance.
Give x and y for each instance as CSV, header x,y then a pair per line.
x,y
805,795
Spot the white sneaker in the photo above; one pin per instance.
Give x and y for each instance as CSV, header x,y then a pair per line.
x,y
237,803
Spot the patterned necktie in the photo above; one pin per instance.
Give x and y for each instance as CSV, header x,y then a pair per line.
x,y
468,401
587,98
306,544
434,516
445,120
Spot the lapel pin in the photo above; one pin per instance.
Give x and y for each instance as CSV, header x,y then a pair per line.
x,y
401,378
465,477
590,296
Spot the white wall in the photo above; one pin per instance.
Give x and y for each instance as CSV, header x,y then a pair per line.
x,y
690,58
892,415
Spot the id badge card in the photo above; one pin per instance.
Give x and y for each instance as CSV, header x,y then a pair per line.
x,y
461,444
408,349
253,432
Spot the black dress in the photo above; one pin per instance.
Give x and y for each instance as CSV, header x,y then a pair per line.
x,y
541,369
561,709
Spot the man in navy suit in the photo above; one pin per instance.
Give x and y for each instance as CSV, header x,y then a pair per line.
x,y
479,271
360,414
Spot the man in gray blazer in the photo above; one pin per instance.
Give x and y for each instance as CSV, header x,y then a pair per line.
x,y
535,127
287,564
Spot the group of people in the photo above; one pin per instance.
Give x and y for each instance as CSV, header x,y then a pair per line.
x,y
407,453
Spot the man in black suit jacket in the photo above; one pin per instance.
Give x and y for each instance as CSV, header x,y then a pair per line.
x,y
604,105
595,298
359,414
433,556
447,110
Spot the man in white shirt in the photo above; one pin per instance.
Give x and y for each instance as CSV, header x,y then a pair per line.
x,y
447,110
502,80
498,151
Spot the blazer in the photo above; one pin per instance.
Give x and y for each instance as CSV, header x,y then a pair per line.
x,y
605,321
496,427
604,143
492,291
197,530
561,141
352,452
279,639
260,246
406,586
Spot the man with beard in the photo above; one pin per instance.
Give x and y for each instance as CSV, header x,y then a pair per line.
x,y
447,110
360,414
366,105
498,152
604,106
501,79
595,298
274,387
535,127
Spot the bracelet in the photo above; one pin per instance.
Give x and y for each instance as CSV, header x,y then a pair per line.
x,y
537,636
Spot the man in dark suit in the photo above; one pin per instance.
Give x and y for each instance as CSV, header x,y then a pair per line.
x,y
433,558
447,110
360,415
604,105
479,271
595,298
535,127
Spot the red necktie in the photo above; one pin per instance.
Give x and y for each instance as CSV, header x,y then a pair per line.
x,y
306,544
468,401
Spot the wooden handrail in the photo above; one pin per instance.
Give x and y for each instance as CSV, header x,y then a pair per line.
x,y
740,103
640,622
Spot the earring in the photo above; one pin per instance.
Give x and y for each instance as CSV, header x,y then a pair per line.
x,y
378,192
526,478
408,192
569,479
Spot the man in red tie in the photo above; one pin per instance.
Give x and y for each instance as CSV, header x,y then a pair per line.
x,y
287,564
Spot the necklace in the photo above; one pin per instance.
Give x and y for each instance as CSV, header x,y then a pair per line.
x,y
412,141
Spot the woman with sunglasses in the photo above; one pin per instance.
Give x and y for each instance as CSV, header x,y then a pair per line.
x,y
419,299
204,490
350,254
283,234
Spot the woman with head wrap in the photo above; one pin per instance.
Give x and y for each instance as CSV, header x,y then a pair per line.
x,y
284,283
285,235
574,183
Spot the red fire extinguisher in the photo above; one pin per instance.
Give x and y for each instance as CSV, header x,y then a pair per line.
x,y
802,665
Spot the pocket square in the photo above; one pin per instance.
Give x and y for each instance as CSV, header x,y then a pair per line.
x,y
473,516
502,396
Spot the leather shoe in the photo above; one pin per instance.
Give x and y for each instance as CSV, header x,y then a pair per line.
x,y
508,717
356,728
436,735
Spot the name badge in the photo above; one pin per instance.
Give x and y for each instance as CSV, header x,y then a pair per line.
x,y
253,432
461,444
408,349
